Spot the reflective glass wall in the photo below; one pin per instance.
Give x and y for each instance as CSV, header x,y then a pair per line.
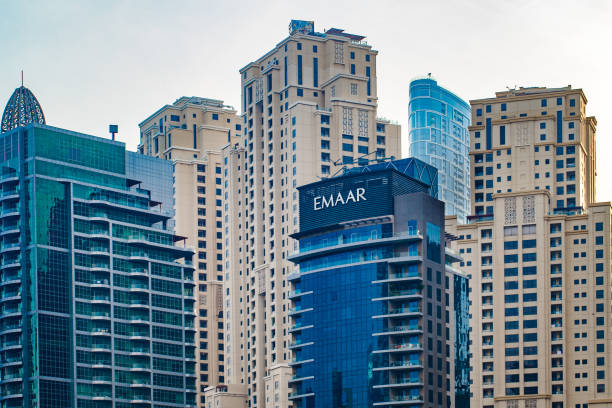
x,y
438,135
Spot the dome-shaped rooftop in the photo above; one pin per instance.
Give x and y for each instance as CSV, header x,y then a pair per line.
x,y
21,110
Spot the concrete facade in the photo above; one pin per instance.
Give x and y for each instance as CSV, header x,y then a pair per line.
x,y
191,133
537,249
309,108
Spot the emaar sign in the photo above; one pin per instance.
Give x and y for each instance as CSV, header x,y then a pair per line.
x,y
322,202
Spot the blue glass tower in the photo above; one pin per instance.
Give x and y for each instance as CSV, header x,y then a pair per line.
x,y
96,297
370,302
438,135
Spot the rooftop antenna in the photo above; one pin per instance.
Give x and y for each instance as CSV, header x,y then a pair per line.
x,y
113,129
429,75
22,78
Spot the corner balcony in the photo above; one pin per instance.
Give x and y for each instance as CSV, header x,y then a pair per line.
x,y
295,362
414,311
295,379
398,348
295,395
401,384
400,400
452,254
299,310
401,277
299,344
401,365
328,248
401,294
299,327
400,330
298,292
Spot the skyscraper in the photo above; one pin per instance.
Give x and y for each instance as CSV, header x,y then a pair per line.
x,y
439,135
538,252
309,107
191,132
97,298
371,302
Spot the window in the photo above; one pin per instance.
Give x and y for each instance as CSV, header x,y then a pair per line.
x,y
353,89
353,69
347,147
433,242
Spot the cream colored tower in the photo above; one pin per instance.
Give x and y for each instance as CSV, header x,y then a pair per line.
x,y
309,105
537,249
191,132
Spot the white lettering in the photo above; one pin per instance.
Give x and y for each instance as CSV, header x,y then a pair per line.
x,y
327,203
350,197
321,202
360,194
339,199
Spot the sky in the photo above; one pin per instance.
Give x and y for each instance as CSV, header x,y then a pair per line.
x,y
92,63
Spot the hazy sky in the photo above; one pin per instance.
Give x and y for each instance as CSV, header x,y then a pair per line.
x,y
91,63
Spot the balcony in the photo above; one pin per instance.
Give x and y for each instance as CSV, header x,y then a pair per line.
x,y
298,293
398,277
300,344
298,310
407,382
401,400
399,294
344,244
401,312
397,330
299,327
400,365
400,348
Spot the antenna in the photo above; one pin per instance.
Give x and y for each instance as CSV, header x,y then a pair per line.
x,y
22,78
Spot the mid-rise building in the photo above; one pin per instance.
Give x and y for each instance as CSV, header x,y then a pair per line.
x,y
309,108
537,249
439,135
97,305
190,133
371,297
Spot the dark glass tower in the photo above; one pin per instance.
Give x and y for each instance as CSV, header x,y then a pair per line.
x,y
370,299
21,110
96,298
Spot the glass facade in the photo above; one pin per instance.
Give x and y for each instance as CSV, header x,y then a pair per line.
x,y
366,298
97,306
462,332
439,135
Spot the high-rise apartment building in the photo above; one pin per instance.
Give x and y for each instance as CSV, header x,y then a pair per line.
x,y
538,251
191,133
371,305
97,305
309,107
439,135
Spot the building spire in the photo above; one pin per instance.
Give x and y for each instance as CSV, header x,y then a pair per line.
x,y
22,77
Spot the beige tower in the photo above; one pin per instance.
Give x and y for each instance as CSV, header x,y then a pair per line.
x,y
309,108
537,249
191,132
